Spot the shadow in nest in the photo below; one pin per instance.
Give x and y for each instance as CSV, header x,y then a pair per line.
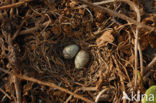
x,y
45,59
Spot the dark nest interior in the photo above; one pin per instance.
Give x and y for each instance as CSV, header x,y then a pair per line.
x,y
119,35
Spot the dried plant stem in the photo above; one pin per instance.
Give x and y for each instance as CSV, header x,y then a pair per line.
x,y
14,5
151,65
18,90
29,31
13,63
134,7
33,29
104,2
52,85
111,12
120,75
20,26
137,46
17,32
69,98
5,93
141,59
99,95
99,3
136,57
125,70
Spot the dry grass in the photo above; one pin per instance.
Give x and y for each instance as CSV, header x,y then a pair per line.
x,y
119,36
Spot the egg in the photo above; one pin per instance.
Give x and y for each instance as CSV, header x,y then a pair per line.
x,y
70,51
81,59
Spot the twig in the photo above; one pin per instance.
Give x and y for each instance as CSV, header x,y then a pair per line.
x,y
33,29
83,89
52,85
104,2
29,30
69,98
5,93
111,12
14,4
18,90
13,63
149,67
141,62
125,71
20,27
133,6
121,78
141,59
151,64
99,95
136,57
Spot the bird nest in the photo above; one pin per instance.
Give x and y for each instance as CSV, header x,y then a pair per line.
x,y
34,33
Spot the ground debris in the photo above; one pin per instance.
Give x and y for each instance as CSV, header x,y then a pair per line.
x,y
33,34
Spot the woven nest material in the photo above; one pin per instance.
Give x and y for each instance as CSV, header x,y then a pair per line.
x,y
33,34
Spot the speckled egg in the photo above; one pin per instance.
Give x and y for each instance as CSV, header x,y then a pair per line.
x,y
70,51
81,59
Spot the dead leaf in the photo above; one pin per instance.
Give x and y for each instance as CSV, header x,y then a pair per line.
x,y
105,38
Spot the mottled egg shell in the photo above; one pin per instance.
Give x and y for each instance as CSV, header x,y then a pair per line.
x,y
81,59
70,51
